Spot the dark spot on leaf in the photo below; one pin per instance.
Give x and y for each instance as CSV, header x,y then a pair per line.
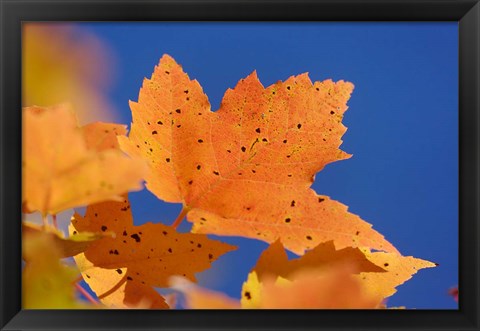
x,y
129,278
151,149
317,89
178,111
264,140
190,182
385,264
164,233
186,91
74,232
199,245
288,87
167,159
257,130
125,233
285,141
87,276
170,250
321,199
243,149
357,233
216,173
293,203
160,122
96,215
199,167
308,238
248,295
200,141
154,132
167,72
332,112
115,252
178,126
229,151
210,256
299,125
104,228
119,271
136,237
254,171
288,220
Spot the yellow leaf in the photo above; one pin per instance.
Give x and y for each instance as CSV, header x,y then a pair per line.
x,y
245,170
59,170
63,63
46,282
252,292
66,247
121,270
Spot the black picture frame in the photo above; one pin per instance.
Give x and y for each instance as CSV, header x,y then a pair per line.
x,y
14,12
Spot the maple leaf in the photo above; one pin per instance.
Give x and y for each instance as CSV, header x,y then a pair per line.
x,y
46,282
60,171
274,260
66,247
323,261
123,270
246,169
323,278
378,272
331,288
398,269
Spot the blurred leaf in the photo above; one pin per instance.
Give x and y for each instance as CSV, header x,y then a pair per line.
x,y
61,172
62,63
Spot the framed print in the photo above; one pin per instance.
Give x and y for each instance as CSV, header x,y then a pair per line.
x,y
242,165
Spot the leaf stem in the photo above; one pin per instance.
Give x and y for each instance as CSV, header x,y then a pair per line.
x,y
85,294
180,217
54,220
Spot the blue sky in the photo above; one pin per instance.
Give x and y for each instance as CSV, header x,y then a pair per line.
x,y
402,125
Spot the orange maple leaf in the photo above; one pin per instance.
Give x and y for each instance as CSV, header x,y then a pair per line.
x,y
246,169
122,270
378,273
398,269
60,171
274,262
